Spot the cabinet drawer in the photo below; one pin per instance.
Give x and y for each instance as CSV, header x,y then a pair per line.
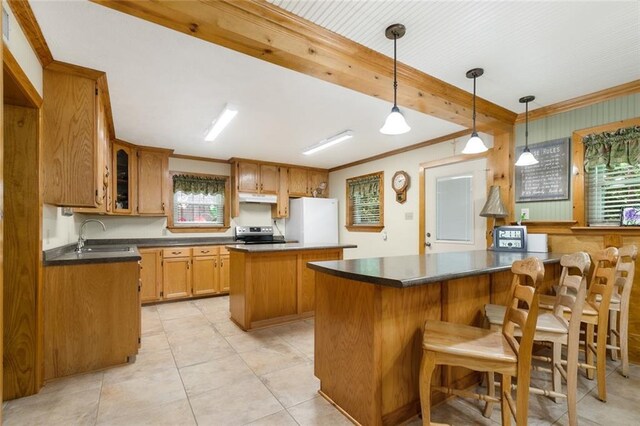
x,y
223,250
176,252
205,251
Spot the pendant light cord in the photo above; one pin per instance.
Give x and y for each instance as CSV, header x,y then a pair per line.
x,y
526,125
395,70
474,104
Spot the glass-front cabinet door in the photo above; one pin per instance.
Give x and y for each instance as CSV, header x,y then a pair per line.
x,y
123,167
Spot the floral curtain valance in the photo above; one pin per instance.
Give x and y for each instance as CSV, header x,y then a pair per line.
x,y
366,185
612,148
199,184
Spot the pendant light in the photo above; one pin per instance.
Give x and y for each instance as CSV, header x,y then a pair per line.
x,y
474,144
526,158
395,124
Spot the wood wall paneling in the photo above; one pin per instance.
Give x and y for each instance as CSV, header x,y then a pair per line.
x,y
22,276
91,320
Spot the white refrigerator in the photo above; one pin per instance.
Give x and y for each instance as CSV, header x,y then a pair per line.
x,y
313,220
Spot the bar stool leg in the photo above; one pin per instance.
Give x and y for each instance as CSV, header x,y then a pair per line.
x,y
624,339
572,381
426,371
556,361
505,389
601,363
491,391
587,351
613,339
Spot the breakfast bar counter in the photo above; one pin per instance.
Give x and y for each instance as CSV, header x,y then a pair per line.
x,y
369,315
270,283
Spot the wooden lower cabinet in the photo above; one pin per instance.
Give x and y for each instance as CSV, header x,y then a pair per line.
x,y
204,275
176,277
91,320
150,275
179,273
224,273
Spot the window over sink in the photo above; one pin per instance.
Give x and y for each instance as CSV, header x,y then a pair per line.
x,y
199,203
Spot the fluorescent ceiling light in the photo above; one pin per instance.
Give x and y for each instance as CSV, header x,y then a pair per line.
x,y
347,134
218,125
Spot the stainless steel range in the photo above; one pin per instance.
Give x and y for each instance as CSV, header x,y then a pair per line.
x,y
257,235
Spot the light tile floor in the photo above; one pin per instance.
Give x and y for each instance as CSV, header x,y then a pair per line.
x,y
197,367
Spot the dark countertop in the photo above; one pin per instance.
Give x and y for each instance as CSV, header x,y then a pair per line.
x,y
64,256
408,271
166,242
263,248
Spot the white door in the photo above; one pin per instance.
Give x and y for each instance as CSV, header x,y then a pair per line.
x,y
454,197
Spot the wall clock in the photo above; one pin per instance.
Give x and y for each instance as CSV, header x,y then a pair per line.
x,y
400,184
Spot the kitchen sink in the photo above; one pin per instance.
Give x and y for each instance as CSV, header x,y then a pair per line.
x,y
107,249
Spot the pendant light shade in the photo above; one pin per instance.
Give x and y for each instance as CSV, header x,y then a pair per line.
x,y
474,144
526,158
395,124
494,207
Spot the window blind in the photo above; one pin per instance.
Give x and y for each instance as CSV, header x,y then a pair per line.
x,y
364,196
198,209
608,190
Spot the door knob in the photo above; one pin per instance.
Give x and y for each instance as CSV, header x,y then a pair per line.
x,y
428,234
427,244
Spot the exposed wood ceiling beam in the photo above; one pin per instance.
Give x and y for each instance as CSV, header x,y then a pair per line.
x,y
397,151
583,101
267,32
27,21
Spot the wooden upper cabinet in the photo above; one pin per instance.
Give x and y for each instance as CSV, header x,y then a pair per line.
x,y
316,177
268,179
75,137
123,178
281,209
153,172
248,177
298,182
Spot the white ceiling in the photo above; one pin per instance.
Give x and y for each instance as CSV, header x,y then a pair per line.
x,y
166,87
555,50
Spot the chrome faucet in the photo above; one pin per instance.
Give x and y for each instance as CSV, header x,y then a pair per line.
x,y
81,238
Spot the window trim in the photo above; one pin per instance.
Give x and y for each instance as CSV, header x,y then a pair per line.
x,y
171,226
579,209
365,228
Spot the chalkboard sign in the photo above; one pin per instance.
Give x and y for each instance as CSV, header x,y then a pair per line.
x,y
549,179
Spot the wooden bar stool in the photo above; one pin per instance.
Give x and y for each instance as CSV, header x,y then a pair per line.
x,y
484,350
553,327
620,299
596,313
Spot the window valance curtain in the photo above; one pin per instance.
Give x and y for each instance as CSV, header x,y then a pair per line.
x,y
364,186
199,184
612,148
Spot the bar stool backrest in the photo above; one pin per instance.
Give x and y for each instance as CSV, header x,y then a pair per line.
x,y
602,282
523,294
572,289
625,271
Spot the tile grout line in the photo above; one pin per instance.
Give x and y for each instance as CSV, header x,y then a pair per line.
x,y
99,399
175,363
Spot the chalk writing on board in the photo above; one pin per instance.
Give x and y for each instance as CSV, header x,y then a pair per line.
x,y
547,180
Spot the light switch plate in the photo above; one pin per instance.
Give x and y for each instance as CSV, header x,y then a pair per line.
x,y
408,216
524,214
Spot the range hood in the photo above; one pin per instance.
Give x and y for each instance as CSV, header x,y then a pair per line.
x,y
244,197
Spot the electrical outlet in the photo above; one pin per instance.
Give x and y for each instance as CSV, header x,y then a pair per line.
x,y
524,214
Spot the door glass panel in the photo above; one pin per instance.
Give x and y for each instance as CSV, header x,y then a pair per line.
x,y
454,209
122,186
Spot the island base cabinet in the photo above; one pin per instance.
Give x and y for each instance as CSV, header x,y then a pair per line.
x,y
273,287
368,340
91,317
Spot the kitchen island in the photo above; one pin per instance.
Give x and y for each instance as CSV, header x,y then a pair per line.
x,y
369,316
270,283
